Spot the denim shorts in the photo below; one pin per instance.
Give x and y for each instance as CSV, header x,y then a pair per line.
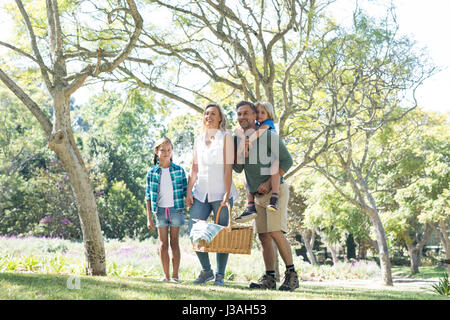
x,y
169,217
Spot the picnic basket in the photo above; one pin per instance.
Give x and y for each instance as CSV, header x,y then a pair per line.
x,y
231,239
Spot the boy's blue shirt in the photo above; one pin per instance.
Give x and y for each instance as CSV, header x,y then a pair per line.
x,y
267,122
179,184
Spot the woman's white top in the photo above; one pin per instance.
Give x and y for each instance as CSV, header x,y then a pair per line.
x,y
211,175
165,194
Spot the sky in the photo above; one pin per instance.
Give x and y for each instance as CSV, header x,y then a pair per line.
x,y
426,22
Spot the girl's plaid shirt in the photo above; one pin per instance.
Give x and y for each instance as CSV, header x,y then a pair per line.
x,y
179,184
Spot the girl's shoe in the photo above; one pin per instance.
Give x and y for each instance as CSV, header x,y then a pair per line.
x,y
176,280
165,279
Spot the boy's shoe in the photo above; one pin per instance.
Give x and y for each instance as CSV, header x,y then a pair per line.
x,y
273,204
219,280
204,277
290,281
265,282
249,214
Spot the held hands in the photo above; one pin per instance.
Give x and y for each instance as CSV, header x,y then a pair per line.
x,y
189,200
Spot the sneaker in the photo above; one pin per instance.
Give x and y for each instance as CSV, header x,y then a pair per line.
x,y
219,280
273,204
265,282
290,281
176,280
204,277
249,214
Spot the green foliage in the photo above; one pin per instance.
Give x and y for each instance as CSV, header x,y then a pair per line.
x,y
443,287
121,214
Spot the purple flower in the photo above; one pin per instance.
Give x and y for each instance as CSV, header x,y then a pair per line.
x,y
46,220
66,221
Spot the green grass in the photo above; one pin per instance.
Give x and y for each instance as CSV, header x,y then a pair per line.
x,y
425,272
38,268
25,286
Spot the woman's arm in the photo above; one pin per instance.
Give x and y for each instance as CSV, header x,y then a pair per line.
x,y
228,155
192,178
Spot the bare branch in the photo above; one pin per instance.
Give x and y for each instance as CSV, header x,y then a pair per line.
x,y
28,102
34,46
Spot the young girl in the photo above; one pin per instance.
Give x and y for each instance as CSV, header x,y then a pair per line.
x,y
164,195
265,117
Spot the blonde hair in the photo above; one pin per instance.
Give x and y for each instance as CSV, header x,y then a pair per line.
x,y
268,107
158,144
223,121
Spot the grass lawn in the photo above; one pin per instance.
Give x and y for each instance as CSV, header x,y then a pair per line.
x,y
35,286
425,272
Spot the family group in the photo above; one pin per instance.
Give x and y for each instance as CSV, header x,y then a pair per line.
x,y
254,148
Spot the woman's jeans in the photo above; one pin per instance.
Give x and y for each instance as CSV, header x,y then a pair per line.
x,y
202,210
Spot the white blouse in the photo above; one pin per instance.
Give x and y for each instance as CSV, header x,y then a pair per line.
x,y
211,175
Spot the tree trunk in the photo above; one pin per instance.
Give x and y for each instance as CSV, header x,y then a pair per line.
x,y
383,253
446,241
334,253
415,258
63,144
415,250
306,235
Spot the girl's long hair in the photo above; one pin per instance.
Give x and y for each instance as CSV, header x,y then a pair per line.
x,y
158,144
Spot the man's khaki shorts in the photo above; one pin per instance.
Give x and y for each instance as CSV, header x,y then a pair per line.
x,y
267,221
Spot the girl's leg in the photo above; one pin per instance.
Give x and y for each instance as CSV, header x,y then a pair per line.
x,y
163,234
175,246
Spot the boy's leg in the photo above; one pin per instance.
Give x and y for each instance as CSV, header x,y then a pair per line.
x,y
275,182
250,212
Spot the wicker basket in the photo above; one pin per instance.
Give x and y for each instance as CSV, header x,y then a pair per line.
x,y
231,239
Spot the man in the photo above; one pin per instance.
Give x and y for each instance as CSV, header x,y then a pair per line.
x,y
269,226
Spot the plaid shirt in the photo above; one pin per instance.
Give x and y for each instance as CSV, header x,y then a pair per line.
x,y
179,184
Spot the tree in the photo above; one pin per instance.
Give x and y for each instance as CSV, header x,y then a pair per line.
x,y
367,73
413,170
331,215
58,61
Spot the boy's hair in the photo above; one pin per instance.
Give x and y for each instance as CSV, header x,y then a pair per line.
x,y
243,103
268,107
158,144
223,121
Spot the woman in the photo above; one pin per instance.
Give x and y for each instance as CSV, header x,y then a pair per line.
x,y
211,174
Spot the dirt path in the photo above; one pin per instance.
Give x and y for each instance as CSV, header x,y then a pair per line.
x,y
400,283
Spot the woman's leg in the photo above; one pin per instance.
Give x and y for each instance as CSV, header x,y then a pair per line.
x,y
175,246
201,210
163,234
221,258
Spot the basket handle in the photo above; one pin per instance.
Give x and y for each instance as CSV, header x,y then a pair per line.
x,y
228,228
